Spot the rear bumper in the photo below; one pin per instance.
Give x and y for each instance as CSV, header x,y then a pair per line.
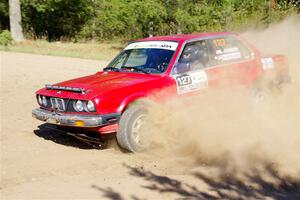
x,y
88,121
283,79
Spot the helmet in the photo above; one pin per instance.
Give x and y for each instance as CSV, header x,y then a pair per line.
x,y
189,53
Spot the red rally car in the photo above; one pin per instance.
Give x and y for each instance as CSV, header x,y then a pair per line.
x,y
105,102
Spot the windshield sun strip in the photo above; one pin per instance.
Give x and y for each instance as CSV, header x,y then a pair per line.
x,y
120,54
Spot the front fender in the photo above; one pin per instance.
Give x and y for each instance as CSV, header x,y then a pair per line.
x,y
129,100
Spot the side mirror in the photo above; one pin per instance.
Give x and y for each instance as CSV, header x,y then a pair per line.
x,y
182,68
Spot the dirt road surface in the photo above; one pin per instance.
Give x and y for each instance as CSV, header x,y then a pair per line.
x,y
41,163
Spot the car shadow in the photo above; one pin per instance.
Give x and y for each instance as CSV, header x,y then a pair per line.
x,y
222,186
52,133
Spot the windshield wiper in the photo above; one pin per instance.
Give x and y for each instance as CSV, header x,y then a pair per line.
x,y
113,69
136,69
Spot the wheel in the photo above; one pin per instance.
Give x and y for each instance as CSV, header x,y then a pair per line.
x,y
261,95
261,90
130,126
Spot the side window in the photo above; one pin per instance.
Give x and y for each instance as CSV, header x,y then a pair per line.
x,y
228,49
195,56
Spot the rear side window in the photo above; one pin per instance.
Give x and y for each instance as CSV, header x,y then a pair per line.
x,y
228,50
198,55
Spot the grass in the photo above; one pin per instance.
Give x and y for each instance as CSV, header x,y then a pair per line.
x,y
98,51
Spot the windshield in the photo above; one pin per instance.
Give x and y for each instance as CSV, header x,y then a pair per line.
x,y
145,57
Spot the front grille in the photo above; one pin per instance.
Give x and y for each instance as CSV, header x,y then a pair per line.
x,y
58,104
68,104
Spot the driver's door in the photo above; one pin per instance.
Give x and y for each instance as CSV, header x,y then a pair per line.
x,y
189,72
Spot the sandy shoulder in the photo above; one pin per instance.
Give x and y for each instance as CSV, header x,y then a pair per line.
x,y
36,168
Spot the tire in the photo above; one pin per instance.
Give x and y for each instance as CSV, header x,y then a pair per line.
x,y
128,135
261,95
261,90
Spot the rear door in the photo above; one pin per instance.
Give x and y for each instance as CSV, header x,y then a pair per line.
x,y
213,62
231,61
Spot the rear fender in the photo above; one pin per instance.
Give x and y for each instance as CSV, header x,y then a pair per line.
x,y
274,62
276,67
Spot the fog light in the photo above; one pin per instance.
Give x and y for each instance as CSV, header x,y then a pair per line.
x,y
79,123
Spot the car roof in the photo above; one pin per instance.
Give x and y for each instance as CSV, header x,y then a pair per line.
x,y
185,37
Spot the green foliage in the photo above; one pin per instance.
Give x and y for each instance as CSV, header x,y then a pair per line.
x,y
55,18
130,19
5,38
125,19
4,16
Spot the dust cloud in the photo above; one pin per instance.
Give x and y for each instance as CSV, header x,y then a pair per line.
x,y
226,128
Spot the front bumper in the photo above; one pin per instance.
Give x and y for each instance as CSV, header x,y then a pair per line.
x,y
88,121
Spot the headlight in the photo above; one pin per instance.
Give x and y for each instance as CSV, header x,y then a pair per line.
x,y
90,106
44,101
78,106
39,98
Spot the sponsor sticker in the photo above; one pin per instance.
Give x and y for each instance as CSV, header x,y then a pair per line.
x,y
154,45
219,42
267,63
228,54
191,81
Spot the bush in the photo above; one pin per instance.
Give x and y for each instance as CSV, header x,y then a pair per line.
x,y
55,19
82,20
5,38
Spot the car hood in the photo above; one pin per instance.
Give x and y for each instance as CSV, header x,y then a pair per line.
x,y
103,82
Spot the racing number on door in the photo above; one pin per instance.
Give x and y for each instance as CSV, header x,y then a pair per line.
x,y
183,80
191,82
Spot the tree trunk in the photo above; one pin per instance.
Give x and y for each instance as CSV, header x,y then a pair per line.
x,y
15,20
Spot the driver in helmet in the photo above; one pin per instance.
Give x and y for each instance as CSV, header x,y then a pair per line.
x,y
189,60
193,58
188,54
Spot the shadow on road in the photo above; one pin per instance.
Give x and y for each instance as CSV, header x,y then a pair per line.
x,y
255,184
50,132
109,193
